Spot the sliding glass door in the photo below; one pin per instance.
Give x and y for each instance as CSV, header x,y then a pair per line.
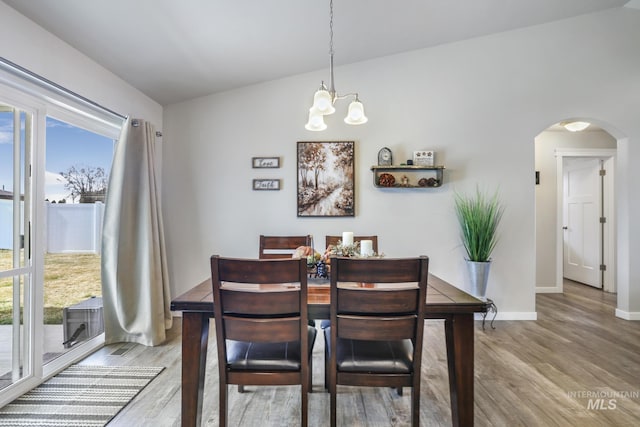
x,y
16,266
54,164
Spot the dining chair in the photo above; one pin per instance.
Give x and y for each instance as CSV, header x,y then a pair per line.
x,y
377,324
262,334
333,240
274,247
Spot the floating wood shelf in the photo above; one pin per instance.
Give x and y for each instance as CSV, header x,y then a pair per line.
x,y
432,175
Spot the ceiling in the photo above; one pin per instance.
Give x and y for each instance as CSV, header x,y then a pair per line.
x,y
177,50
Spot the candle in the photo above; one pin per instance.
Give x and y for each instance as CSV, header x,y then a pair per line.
x,y
366,247
347,238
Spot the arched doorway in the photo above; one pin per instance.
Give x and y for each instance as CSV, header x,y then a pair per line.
x,y
554,147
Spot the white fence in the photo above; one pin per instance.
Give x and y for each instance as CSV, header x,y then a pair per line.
x,y
6,224
69,228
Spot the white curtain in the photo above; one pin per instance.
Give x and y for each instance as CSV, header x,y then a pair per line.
x,y
135,282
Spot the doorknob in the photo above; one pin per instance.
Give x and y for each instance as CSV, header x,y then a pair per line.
x,y
565,227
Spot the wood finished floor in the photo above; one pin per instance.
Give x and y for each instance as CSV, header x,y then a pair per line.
x,y
528,373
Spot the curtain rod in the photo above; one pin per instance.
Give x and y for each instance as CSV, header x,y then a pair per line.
x,y
48,84
135,123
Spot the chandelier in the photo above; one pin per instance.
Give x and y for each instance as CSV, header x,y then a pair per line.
x,y
325,98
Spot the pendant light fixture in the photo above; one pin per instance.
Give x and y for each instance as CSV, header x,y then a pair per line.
x,y
575,126
325,98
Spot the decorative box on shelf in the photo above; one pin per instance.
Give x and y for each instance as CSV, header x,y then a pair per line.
x,y
405,176
424,158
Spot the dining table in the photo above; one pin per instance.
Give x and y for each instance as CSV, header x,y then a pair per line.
x,y
444,301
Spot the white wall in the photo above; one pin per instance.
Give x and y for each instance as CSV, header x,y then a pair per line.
x,y
32,47
479,104
546,193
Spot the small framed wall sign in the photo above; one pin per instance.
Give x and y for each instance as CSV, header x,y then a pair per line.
x,y
266,184
265,162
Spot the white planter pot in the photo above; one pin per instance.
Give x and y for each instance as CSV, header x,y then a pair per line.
x,y
478,278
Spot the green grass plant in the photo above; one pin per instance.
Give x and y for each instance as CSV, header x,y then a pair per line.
x,y
479,215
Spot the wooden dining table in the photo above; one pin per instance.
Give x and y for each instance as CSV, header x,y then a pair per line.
x,y
444,301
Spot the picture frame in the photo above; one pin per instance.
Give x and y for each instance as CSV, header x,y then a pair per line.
x,y
326,179
266,184
265,162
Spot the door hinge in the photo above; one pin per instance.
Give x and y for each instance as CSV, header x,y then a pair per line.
x,y
603,267
603,172
603,220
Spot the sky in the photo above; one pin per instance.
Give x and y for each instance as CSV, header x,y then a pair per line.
x,y
66,146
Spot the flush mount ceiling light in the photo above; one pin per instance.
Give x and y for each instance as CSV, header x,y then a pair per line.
x,y
575,126
325,98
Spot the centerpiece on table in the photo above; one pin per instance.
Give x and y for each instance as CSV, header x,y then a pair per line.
x,y
310,255
339,249
345,247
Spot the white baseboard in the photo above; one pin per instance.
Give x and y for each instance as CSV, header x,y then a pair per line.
x,y
510,315
626,315
548,290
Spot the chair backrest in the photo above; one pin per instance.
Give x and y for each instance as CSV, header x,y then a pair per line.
x,y
278,247
333,240
261,300
379,299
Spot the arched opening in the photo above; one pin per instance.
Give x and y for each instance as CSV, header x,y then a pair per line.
x,y
576,185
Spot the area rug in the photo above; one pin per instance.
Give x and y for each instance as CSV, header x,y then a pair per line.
x,y
81,395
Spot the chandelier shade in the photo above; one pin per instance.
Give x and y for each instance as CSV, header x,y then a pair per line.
x,y
322,102
316,121
356,116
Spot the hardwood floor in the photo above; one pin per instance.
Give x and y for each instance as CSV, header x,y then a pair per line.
x,y
528,373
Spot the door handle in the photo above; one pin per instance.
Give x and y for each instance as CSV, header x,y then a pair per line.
x,y
565,228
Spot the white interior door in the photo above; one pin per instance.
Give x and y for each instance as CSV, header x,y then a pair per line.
x,y
582,212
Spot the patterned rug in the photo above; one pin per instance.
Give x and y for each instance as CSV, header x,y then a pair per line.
x,y
81,395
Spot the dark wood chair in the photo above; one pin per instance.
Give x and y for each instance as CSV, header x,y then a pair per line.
x,y
333,240
276,247
261,325
377,324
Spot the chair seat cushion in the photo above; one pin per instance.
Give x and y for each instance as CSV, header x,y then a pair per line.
x,y
390,357
285,356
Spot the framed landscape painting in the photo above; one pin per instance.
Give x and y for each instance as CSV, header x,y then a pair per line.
x,y
326,174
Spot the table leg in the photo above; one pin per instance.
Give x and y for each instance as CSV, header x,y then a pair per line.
x,y
195,337
459,330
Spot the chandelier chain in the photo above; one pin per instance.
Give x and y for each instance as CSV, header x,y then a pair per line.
x,y
331,27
